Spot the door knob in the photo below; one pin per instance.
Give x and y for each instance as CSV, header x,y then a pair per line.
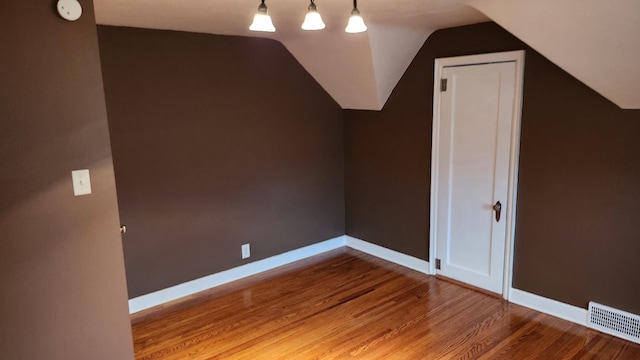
x,y
123,229
498,209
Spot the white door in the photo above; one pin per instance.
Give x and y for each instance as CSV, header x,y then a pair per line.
x,y
474,137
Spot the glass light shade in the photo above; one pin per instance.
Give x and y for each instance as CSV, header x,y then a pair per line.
x,y
356,23
262,20
313,21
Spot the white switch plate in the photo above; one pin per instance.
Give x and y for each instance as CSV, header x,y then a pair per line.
x,y
81,182
246,251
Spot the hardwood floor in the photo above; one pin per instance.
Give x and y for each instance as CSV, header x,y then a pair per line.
x,y
346,304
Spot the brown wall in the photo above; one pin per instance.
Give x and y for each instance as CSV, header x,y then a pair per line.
x,y
61,267
217,141
576,239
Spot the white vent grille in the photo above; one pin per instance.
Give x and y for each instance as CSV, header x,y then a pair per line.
x,y
614,322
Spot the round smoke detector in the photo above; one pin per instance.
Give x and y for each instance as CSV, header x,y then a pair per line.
x,y
69,9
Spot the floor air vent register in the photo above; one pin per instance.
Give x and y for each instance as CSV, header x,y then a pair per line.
x,y
614,322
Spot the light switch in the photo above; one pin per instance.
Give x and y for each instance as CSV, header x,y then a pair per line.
x,y
81,182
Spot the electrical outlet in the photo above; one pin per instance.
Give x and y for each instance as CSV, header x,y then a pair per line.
x,y
246,251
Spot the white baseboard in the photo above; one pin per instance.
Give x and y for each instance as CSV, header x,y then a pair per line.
x,y
191,287
387,254
548,306
532,301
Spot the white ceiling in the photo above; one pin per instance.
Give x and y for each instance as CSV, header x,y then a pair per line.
x,y
596,41
360,70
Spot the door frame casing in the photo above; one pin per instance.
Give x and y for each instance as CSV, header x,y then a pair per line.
x,y
514,151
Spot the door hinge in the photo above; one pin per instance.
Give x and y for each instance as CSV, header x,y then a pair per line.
x,y
438,264
443,85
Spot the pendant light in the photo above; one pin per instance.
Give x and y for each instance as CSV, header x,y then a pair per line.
x,y
356,23
313,21
262,20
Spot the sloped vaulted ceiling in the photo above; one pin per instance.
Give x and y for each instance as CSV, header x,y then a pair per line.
x,y
596,41
358,70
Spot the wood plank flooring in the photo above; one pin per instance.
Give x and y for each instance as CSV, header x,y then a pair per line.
x,y
349,305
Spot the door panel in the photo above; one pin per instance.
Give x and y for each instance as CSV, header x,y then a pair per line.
x,y
473,170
